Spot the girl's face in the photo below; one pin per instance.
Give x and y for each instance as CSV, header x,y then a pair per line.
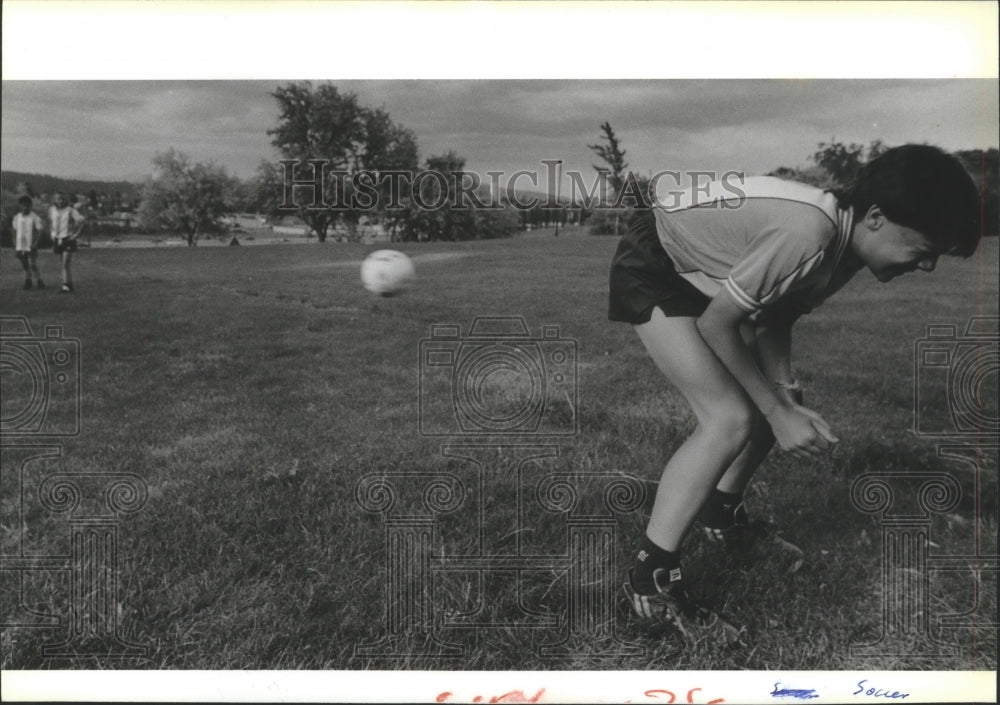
x,y
900,250
889,249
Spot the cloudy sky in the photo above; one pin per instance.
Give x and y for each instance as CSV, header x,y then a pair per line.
x,y
111,129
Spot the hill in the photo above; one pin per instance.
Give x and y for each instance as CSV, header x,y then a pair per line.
x,y
12,181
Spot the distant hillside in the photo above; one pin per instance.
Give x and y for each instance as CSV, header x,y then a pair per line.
x,y
10,181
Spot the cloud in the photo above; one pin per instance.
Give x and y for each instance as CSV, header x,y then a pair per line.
x,y
114,127
759,123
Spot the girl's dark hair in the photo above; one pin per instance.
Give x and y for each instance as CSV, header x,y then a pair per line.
x,y
24,201
924,188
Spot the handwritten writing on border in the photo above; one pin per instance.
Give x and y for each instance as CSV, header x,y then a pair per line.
x,y
518,696
878,692
513,696
799,693
690,696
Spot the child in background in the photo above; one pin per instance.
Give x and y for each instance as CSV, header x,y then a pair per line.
x,y
66,223
28,229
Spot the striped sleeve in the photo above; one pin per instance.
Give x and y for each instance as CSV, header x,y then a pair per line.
x,y
778,261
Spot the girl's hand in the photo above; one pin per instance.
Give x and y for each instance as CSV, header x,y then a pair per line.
x,y
801,431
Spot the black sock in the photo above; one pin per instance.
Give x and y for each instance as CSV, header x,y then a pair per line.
x,y
723,510
649,559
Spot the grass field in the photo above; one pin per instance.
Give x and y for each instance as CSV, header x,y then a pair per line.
x,y
253,388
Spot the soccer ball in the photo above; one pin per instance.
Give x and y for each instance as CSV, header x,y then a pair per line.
x,y
387,272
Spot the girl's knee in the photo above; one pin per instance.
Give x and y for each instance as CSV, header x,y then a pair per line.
x,y
731,421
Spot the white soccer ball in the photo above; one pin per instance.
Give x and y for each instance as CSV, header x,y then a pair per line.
x,y
387,272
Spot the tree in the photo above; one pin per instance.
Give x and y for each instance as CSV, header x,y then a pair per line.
x,y
183,196
331,128
613,156
834,164
442,208
265,189
842,161
435,216
320,124
388,147
615,167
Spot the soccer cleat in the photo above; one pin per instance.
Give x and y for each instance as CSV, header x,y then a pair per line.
x,y
673,607
749,535
27,283
40,284
741,535
66,289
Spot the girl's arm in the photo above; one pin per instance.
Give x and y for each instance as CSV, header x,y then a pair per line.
x,y
796,428
79,220
774,343
36,230
774,354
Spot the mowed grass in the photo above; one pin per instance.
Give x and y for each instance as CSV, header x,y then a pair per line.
x,y
253,388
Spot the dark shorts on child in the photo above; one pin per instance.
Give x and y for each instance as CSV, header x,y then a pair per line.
x,y
643,277
24,255
64,245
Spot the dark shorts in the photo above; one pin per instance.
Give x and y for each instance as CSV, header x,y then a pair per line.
x,y
643,277
24,256
60,246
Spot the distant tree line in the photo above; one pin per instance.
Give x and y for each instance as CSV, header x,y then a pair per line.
x,y
324,128
113,195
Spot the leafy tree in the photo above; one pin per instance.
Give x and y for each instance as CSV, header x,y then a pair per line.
x,y
842,161
388,147
334,130
434,217
265,189
320,124
443,210
614,168
183,196
496,223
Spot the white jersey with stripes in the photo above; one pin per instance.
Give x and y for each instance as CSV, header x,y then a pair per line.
x,y
761,240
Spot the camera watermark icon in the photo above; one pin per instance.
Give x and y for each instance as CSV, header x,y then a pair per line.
x,y
956,380
489,544
87,557
911,621
39,381
444,530
954,403
497,380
